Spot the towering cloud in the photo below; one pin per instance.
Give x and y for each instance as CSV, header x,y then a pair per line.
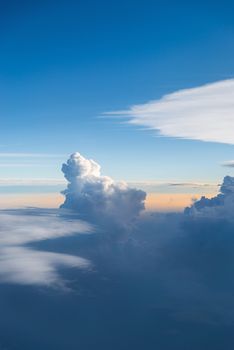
x,y
220,206
99,197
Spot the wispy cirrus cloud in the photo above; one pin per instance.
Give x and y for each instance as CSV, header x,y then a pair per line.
x,y
176,187
173,184
31,181
30,155
23,165
204,113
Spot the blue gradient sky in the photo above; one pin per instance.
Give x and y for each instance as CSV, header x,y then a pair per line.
x,y
64,63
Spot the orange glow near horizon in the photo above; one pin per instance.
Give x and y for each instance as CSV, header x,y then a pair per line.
x,y
44,200
154,202
171,201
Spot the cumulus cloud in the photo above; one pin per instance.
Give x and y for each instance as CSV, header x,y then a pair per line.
x,y
99,197
25,265
203,113
221,205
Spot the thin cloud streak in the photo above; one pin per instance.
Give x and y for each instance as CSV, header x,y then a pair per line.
x,y
30,155
57,181
228,163
30,182
176,187
24,165
173,183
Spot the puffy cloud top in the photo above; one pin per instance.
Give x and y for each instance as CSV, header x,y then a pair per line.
x,y
78,166
98,197
220,206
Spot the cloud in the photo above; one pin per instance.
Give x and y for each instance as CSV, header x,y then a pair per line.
x,y
31,267
22,229
203,113
165,187
228,163
173,270
29,155
99,197
23,264
221,205
172,184
30,182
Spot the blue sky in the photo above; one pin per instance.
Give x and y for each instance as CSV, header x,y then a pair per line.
x,y
64,64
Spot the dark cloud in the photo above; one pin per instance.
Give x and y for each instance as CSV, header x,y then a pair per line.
x,y
221,205
166,282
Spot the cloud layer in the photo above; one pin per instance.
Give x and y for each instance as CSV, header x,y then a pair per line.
x,y
203,113
166,281
99,197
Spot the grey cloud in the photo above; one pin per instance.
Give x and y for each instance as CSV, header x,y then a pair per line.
x,y
221,205
228,163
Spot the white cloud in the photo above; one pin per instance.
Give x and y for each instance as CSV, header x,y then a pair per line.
x,y
203,113
22,229
25,265
99,197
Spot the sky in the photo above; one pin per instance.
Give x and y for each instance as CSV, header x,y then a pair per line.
x,y
116,175
67,68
